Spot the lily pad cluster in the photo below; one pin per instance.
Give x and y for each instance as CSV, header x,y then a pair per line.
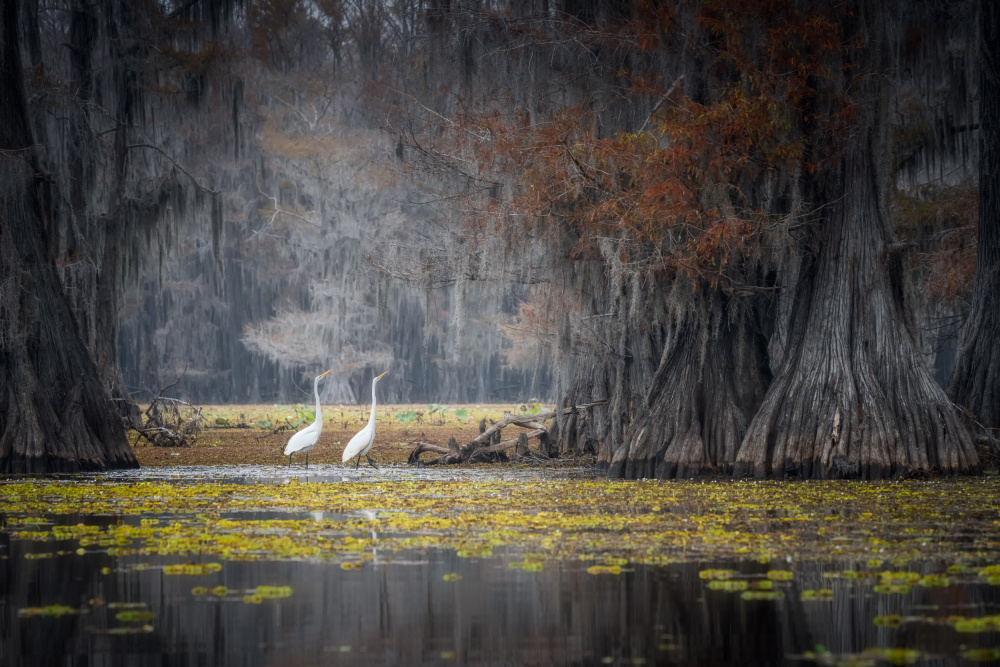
x,y
863,525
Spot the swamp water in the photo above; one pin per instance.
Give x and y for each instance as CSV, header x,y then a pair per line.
x,y
260,566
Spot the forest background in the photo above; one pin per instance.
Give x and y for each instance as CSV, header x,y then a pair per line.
x,y
746,231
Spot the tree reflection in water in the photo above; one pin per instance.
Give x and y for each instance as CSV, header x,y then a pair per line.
x,y
404,611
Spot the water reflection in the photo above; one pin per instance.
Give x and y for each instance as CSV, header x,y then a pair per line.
x,y
405,610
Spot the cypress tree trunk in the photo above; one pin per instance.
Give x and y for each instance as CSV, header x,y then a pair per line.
x,y
975,383
613,351
853,397
107,306
97,287
708,386
55,414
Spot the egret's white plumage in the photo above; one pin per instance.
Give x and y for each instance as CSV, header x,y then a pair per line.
x,y
305,440
362,442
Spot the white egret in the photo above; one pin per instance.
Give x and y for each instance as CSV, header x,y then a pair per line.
x,y
362,442
305,440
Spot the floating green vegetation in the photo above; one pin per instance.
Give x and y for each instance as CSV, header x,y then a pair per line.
x,y
254,595
985,624
134,616
869,529
48,610
762,595
982,654
959,623
274,592
893,589
192,569
891,621
732,585
531,566
717,574
897,656
935,580
821,594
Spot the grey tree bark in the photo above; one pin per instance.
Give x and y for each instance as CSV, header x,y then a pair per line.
x,y
55,414
611,352
975,383
708,386
98,288
853,397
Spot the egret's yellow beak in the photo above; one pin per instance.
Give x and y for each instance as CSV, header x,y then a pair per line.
x,y
329,371
381,375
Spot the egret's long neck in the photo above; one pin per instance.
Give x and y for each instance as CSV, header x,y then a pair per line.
x,y
371,417
319,413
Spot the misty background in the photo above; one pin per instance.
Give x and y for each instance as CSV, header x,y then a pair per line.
x,y
330,254
336,235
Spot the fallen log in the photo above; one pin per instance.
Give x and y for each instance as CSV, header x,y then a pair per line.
x,y
451,454
507,421
427,447
507,444
488,445
533,425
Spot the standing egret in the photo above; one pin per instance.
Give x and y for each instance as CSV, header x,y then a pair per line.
x,y
361,443
305,440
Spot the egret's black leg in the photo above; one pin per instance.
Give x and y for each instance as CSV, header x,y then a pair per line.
x,y
370,462
289,460
307,459
358,462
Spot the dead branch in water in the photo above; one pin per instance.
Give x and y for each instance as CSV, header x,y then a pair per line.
x,y
490,446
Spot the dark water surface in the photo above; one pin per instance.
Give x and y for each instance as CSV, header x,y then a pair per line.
x,y
436,608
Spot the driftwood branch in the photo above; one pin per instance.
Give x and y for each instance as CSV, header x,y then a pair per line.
x,y
489,445
508,420
534,425
507,444
165,426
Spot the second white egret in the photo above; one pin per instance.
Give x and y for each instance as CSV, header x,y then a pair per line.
x,y
362,442
305,440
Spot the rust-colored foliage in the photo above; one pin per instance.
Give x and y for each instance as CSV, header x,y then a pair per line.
x,y
672,192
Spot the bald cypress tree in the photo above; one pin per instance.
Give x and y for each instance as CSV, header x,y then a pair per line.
x,y
95,182
851,395
55,413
